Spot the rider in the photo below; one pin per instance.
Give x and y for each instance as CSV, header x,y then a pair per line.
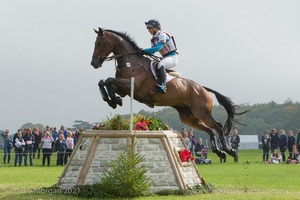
x,y
165,44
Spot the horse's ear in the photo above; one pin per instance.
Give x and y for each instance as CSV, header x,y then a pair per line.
x,y
99,32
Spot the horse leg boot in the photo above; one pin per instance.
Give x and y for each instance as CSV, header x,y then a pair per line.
x,y
161,86
105,95
113,97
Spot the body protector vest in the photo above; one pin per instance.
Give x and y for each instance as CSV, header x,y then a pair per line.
x,y
169,42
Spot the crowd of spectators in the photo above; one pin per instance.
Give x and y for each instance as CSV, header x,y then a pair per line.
x,y
29,144
276,142
200,150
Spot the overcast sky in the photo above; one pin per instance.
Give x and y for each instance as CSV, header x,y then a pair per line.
x,y
246,50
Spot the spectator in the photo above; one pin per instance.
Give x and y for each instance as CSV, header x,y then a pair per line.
x,y
8,144
55,136
62,128
235,141
37,145
192,140
76,136
185,137
266,146
291,142
275,157
16,136
19,148
200,149
298,141
70,146
283,142
60,147
48,129
46,147
29,144
295,157
274,140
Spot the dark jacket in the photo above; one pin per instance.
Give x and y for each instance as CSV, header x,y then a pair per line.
x,y
283,142
274,141
266,142
60,146
291,142
199,147
26,138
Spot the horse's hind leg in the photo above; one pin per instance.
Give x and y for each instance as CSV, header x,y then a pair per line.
x,y
218,128
187,118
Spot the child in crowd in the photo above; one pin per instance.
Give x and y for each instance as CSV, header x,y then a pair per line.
x,y
275,157
295,157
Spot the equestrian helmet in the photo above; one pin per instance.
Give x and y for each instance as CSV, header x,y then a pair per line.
x,y
153,23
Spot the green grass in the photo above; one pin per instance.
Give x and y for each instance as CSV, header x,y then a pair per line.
x,y
247,179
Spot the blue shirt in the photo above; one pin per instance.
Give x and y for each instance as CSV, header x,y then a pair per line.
x,y
7,143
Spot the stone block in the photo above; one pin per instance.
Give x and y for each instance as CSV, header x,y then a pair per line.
x,y
157,170
151,148
154,141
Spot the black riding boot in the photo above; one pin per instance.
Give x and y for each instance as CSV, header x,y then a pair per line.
x,y
161,86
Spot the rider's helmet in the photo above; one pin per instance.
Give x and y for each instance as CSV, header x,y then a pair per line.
x,y
153,23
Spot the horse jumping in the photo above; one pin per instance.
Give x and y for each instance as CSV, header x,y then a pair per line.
x,y
192,101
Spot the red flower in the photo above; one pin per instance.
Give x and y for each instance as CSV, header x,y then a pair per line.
x,y
185,155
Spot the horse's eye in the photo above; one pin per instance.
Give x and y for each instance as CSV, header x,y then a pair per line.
x,y
99,44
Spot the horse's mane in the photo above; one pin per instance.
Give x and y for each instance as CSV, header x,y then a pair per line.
x,y
126,37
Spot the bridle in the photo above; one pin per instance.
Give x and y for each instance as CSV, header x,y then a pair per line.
x,y
101,58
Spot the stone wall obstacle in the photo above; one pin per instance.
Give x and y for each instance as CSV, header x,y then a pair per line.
x,y
97,148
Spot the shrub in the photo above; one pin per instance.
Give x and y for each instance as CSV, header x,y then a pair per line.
x,y
126,177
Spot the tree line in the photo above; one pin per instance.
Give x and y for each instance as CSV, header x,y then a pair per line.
x,y
261,117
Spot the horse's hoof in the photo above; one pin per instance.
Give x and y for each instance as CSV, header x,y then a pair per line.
x,y
232,153
223,155
118,101
112,104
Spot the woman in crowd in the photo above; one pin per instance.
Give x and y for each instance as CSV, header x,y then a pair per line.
x,y
29,144
70,145
192,140
8,144
291,142
283,142
266,143
19,147
46,147
275,157
235,141
37,136
60,147
185,137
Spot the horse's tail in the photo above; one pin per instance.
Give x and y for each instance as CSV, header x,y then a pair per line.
x,y
230,108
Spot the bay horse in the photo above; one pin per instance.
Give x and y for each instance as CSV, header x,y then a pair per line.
x,y
192,101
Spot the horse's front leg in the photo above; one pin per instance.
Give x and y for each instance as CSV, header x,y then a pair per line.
x,y
119,86
104,95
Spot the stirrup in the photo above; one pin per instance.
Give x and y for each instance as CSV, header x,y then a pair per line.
x,y
161,88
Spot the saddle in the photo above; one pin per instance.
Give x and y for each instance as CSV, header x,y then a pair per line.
x,y
170,73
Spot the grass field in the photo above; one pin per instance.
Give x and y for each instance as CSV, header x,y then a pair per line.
x,y
247,179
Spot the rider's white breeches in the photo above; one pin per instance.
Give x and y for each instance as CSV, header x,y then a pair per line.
x,y
168,62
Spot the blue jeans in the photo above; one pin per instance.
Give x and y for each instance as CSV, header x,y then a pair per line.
x,y
7,152
30,152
